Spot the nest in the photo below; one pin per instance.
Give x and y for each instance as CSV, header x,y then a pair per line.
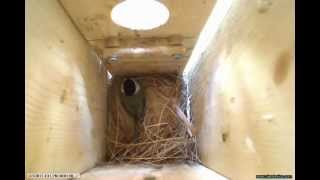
x,y
163,135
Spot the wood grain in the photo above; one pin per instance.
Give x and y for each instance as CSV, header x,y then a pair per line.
x,y
93,18
242,92
65,94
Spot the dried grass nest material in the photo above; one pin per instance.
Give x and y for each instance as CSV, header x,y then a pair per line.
x,y
165,133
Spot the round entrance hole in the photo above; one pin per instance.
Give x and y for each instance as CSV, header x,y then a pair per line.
x,y
130,87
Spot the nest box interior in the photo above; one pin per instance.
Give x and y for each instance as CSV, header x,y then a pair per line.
x,y
226,67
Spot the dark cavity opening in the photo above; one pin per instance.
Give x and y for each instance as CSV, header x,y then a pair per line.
x,y
129,87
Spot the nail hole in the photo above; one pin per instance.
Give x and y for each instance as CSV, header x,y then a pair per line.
x,y
63,96
225,136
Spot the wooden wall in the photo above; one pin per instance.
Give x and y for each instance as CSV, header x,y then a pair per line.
x,y
93,19
142,172
65,93
243,90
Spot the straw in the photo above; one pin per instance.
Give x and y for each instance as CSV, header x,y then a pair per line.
x,y
164,133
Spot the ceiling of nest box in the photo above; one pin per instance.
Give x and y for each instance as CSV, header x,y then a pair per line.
x,y
92,18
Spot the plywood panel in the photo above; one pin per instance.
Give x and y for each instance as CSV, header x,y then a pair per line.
x,y
242,90
65,94
167,172
93,18
146,60
146,66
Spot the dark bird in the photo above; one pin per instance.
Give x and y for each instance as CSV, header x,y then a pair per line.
x,y
133,98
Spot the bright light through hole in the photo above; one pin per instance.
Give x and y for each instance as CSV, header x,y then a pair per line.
x,y
140,14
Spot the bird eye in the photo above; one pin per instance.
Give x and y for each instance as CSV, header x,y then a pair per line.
x,y
130,87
